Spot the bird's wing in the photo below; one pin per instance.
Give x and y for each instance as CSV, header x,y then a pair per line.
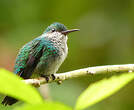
x,y
26,62
28,58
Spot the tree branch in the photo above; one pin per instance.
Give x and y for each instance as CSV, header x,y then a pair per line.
x,y
59,77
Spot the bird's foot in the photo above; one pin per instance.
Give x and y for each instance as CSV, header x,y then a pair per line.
x,y
46,77
53,76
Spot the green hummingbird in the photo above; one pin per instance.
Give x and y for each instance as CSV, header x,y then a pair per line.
x,y
42,56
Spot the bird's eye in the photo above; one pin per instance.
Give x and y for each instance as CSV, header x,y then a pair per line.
x,y
53,30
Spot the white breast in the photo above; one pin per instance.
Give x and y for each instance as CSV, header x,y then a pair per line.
x,y
60,42
63,54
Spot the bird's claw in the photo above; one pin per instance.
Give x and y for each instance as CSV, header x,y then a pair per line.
x,y
46,77
53,76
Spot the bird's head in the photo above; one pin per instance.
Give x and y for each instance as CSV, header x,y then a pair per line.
x,y
57,32
60,28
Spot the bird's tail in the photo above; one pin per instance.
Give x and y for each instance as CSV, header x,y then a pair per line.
x,y
9,101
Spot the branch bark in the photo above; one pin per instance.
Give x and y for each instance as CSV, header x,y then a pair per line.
x,y
59,77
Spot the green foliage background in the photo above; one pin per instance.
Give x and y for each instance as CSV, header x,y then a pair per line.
x,y
106,37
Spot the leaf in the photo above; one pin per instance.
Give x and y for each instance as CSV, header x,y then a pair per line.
x,y
45,106
12,85
102,89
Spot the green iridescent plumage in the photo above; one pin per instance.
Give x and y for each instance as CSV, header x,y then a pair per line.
x,y
24,55
57,26
40,49
42,56
34,48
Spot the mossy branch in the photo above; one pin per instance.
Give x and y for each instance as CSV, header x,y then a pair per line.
x,y
59,77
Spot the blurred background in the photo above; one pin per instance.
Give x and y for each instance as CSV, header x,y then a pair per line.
x,y
106,37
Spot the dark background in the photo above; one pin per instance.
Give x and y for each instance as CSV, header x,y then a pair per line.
x,y
106,38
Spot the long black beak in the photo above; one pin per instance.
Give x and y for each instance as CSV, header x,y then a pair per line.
x,y
68,31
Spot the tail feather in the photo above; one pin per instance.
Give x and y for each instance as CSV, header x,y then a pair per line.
x,y
9,101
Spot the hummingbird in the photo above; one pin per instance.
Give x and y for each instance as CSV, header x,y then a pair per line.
x,y
42,56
